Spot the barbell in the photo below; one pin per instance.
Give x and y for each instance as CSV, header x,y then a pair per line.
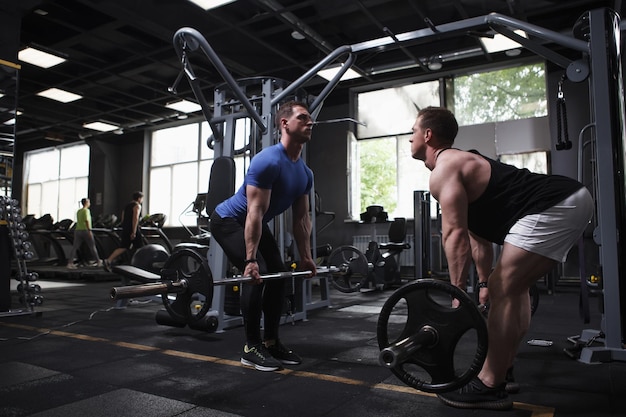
x,y
181,285
428,344
186,284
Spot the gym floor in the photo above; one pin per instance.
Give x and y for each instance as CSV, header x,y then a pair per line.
x,y
78,355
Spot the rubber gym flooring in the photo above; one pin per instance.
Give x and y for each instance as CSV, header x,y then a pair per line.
x,y
78,355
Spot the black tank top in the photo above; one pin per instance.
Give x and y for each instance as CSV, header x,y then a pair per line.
x,y
127,221
511,194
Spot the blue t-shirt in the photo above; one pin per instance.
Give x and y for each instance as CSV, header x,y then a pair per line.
x,y
270,169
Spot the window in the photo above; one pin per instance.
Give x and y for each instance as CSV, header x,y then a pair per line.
x,y
497,96
180,165
383,171
383,168
55,180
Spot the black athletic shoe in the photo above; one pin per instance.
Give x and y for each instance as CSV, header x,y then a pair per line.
x,y
512,387
258,357
476,395
286,356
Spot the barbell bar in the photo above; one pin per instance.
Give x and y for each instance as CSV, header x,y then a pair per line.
x,y
182,285
401,351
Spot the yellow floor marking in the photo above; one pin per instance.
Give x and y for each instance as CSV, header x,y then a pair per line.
x,y
536,410
134,346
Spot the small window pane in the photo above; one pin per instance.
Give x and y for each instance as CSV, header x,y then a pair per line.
x,y
33,196
497,96
173,145
204,174
184,190
160,191
377,167
392,111
205,134
74,162
241,166
412,176
50,199
67,205
42,166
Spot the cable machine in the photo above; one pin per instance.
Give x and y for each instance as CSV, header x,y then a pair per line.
x,y
253,101
597,41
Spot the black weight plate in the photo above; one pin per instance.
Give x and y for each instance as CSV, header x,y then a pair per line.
x,y
460,345
350,268
193,304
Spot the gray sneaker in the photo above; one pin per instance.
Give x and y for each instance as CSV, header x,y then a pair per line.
x,y
258,357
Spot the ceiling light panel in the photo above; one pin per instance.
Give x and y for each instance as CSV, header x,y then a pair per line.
x,y
59,95
210,4
39,58
184,106
329,74
101,126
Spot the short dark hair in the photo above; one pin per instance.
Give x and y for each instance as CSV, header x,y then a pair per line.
x,y
84,201
137,195
285,110
441,121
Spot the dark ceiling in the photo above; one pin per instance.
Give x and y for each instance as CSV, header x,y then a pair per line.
x,y
120,54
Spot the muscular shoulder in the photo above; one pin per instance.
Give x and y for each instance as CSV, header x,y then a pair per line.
x,y
264,167
456,169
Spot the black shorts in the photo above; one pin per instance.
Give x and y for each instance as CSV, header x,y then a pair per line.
x,y
127,243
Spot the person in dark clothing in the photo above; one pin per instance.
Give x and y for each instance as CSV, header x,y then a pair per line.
x,y
536,218
276,180
130,236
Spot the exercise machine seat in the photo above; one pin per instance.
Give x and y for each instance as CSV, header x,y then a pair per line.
x,y
397,234
221,183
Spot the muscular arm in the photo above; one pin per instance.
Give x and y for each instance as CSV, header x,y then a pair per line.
x,y
302,231
447,187
258,203
482,253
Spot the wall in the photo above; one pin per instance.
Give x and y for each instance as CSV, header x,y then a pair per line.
x,y
10,28
327,154
116,171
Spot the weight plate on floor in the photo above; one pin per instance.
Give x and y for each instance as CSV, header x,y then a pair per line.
x,y
192,304
351,268
459,348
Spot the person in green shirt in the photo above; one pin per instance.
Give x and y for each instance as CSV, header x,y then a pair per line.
x,y
83,234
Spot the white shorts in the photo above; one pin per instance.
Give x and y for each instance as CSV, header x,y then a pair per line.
x,y
553,232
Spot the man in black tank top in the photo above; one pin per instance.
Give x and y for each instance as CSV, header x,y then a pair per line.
x,y
536,218
130,236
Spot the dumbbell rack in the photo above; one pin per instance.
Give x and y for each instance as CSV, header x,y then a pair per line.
x,y
14,244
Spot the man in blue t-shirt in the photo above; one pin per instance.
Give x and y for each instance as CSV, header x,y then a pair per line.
x,y
277,179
